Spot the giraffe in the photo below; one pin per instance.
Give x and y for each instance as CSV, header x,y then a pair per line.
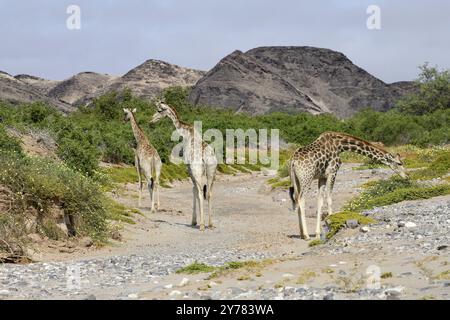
x,y
146,160
200,159
320,160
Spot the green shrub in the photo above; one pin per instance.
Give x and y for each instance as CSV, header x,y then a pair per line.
x,y
43,184
337,221
8,143
394,190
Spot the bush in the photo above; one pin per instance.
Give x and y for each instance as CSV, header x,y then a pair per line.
x,y
46,184
433,95
8,143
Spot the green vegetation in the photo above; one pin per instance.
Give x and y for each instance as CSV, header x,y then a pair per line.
x,y
196,267
433,95
394,190
386,275
337,221
315,242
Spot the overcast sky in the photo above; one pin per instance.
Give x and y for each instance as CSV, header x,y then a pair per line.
x,y
116,36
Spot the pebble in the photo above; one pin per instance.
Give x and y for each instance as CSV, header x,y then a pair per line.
x,y
365,229
184,282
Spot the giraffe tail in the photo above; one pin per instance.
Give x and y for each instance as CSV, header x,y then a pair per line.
x,y
205,191
152,183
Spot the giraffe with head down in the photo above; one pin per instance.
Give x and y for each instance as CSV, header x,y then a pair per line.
x,y
320,160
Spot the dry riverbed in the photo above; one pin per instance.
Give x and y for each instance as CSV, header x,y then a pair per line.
x,y
405,254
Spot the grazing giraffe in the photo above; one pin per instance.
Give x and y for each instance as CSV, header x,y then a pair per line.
x,y
320,160
146,160
200,159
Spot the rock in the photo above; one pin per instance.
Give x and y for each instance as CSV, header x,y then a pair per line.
x,y
268,172
4,292
168,286
294,79
288,275
184,282
352,224
86,242
91,297
329,296
35,237
365,229
394,292
133,296
401,224
410,224
116,235
175,293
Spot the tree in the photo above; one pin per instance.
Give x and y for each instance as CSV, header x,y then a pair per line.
x,y
433,94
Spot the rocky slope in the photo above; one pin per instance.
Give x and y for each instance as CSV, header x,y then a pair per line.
x,y
148,80
14,90
79,86
262,80
294,79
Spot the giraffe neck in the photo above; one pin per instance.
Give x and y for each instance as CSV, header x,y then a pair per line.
x,y
182,128
139,135
362,147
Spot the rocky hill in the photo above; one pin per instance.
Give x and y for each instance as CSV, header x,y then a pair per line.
x,y
14,90
79,86
262,80
294,79
148,80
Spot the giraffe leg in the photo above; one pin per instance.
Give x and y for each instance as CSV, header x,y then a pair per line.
x,y
329,190
210,174
157,177
320,195
151,190
302,218
194,204
200,204
138,170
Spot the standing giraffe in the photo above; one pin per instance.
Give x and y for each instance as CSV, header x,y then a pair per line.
x,y
320,160
146,160
200,159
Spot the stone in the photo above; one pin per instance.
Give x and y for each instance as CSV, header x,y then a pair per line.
x,y
116,235
401,224
86,242
133,296
365,229
35,237
175,293
352,224
184,282
410,224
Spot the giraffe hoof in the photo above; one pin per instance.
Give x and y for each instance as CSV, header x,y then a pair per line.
x,y
202,228
211,226
193,223
306,238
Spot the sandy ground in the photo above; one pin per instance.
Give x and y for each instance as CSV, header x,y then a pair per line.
x,y
250,218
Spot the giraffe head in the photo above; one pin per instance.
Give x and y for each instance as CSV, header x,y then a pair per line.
x,y
396,164
163,110
128,114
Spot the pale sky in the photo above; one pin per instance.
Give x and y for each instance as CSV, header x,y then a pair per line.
x,y
116,36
